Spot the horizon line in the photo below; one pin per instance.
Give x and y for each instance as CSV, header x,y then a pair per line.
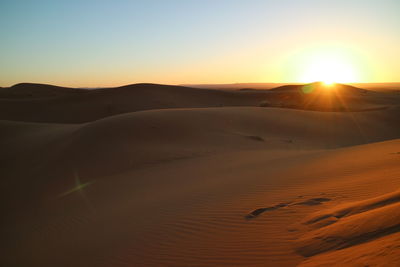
x,y
192,84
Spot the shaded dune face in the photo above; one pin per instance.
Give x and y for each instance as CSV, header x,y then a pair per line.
x,y
119,143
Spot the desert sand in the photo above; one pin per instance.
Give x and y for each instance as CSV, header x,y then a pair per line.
x,y
156,175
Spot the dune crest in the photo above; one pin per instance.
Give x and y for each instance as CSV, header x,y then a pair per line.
x,y
47,103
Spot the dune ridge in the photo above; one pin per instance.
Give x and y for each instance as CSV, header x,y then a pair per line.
x,y
49,103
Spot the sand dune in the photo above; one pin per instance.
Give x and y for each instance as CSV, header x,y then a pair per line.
x,y
321,97
45,103
161,135
33,90
167,186
89,105
389,87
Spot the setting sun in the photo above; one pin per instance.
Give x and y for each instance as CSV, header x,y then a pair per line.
x,y
329,68
328,83
328,63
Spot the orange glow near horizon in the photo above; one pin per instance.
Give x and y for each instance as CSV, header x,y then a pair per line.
x,y
230,42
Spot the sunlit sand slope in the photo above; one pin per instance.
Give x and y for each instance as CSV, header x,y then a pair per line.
x,y
360,233
214,186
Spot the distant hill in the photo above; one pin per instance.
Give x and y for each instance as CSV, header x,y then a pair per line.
x,y
237,86
320,97
319,87
45,103
393,86
48,103
378,86
34,90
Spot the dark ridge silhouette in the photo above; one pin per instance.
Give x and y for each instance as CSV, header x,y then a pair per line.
x,y
317,87
318,96
35,90
39,86
68,105
237,86
47,103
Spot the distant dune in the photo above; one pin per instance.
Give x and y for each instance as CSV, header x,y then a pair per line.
x,y
390,87
393,86
158,175
337,97
89,105
237,86
46,103
33,90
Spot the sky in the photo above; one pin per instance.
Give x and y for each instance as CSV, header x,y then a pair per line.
x,y
97,43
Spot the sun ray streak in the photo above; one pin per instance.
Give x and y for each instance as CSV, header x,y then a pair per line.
x,y
79,188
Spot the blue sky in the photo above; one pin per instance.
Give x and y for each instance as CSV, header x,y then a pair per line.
x,y
102,43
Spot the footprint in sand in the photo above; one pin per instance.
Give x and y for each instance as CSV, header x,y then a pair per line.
x,y
255,138
313,201
257,212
